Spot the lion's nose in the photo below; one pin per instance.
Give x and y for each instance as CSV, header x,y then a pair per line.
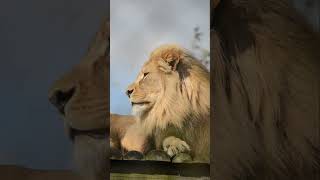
x,y
129,92
59,98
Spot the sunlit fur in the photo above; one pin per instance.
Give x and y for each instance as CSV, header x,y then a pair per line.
x,y
118,127
178,91
174,104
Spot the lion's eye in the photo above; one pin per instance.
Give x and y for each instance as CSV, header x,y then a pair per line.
x,y
145,74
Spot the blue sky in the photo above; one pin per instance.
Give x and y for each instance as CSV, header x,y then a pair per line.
x,y
138,27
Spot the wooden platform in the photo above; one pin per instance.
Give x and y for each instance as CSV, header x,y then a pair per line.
x,y
117,176
158,170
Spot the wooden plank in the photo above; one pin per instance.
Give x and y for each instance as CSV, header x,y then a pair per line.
x,y
117,176
160,168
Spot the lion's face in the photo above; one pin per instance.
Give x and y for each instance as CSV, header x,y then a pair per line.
x,y
145,91
156,79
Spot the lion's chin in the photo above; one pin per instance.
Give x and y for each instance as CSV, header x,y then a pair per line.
x,y
139,110
85,121
99,133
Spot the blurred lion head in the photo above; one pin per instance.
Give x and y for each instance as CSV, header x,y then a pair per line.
x,y
81,96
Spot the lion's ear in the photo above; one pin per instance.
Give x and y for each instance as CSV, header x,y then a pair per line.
x,y
168,65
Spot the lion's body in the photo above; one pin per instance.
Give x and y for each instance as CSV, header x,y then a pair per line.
x,y
266,95
176,88
118,127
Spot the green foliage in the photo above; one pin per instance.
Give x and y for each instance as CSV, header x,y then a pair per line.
x,y
201,53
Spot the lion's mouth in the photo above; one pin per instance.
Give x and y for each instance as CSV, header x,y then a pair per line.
x,y
93,133
140,103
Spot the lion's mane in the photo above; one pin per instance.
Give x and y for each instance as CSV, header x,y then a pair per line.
x,y
266,69
192,98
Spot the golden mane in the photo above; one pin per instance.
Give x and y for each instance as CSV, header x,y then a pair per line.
x,y
193,99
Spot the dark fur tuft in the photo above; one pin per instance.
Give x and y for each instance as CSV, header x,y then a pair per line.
x,y
266,92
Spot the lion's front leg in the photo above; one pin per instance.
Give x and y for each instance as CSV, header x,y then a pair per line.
x,y
134,139
173,146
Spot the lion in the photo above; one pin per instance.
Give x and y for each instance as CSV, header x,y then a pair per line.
x,y
171,100
266,89
81,96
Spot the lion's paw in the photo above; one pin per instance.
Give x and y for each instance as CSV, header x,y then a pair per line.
x,y
173,146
